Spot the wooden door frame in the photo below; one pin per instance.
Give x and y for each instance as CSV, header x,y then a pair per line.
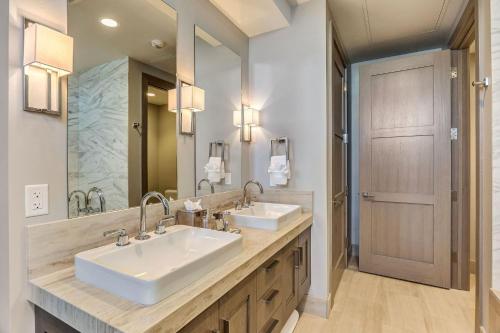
x,y
148,80
460,166
475,24
336,62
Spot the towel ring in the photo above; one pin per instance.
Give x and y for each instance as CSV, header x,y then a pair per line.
x,y
280,141
213,149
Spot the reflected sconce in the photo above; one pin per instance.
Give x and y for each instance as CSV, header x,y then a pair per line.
x,y
191,99
246,119
48,56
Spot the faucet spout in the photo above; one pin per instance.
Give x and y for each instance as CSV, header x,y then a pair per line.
x,y
245,189
205,180
145,199
100,195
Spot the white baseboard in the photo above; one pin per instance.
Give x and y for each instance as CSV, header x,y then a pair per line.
x,y
315,306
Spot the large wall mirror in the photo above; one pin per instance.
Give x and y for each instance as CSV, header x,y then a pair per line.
x,y
123,139
121,136
218,147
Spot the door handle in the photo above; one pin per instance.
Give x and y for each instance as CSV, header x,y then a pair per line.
x,y
368,195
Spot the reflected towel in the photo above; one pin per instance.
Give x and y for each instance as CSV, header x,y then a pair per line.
x,y
279,170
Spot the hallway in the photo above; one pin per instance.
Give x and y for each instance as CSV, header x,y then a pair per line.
x,y
376,304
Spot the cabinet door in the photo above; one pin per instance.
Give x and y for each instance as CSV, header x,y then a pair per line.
x,y
207,322
304,267
289,278
237,309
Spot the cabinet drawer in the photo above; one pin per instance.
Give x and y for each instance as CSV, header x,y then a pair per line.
x,y
267,275
268,303
275,323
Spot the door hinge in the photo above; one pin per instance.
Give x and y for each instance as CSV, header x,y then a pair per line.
x,y
345,138
454,72
454,134
347,243
454,195
346,190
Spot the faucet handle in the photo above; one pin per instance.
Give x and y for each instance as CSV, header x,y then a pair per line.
x,y
121,234
237,204
161,226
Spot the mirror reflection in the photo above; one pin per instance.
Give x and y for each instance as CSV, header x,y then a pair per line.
x,y
218,147
121,136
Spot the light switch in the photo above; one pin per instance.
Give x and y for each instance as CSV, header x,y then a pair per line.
x,y
36,200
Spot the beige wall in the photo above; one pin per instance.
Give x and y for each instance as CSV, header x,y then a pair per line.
x,y
288,85
162,149
4,203
37,146
167,150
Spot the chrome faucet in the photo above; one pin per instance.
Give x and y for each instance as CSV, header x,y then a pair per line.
x,y
205,180
144,201
76,194
102,200
246,204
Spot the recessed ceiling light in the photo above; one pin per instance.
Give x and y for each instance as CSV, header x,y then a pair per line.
x,y
109,22
150,94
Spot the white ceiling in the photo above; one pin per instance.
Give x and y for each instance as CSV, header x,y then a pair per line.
x,y
139,22
372,29
256,17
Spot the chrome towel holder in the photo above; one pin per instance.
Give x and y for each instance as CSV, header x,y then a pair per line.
x,y
213,149
280,142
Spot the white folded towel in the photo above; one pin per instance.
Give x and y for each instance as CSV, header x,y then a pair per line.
x,y
279,170
215,169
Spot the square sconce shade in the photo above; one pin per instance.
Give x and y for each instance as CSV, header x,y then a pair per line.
x,y
192,99
251,117
48,49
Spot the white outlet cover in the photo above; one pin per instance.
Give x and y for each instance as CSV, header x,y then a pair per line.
x,y
36,200
227,178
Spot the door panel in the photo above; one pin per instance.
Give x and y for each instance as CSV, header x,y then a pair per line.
x,y
405,168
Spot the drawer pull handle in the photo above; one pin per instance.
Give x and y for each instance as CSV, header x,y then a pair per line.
x,y
271,296
296,258
225,326
271,266
272,326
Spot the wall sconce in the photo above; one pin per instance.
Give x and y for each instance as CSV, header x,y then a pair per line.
x,y
191,99
251,118
48,56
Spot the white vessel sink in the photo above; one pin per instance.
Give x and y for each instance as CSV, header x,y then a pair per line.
x,y
269,216
148,271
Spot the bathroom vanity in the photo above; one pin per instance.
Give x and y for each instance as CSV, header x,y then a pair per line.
x,y
254,291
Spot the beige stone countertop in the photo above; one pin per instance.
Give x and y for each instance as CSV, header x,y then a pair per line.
x,y
89,309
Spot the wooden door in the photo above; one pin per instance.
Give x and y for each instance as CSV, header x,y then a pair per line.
x,y
237,309
405,168
339,175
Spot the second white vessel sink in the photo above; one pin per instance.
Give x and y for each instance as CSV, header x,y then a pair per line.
x,y
148,271
261,215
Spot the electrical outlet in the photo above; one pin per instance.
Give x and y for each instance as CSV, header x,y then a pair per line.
x,y
36,200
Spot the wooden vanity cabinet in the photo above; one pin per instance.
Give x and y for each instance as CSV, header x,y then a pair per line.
x,y
207,322
263,302
304,264
237,309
